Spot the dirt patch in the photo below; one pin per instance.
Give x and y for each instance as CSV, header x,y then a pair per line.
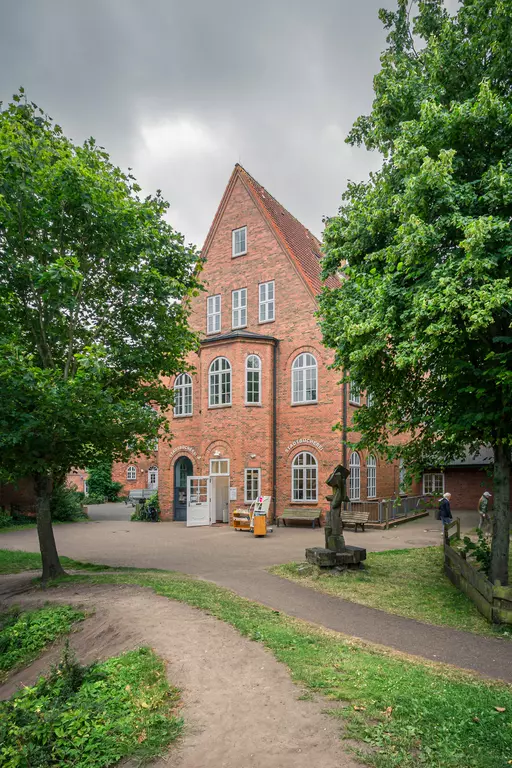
x,y
240,705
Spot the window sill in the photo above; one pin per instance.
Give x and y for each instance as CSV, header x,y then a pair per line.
x,y
357,405
238,327
183,415
266,322
236,255
213,333
216,407
307,402
253,405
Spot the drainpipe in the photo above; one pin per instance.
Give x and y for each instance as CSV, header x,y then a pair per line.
x,y
274,432
344,425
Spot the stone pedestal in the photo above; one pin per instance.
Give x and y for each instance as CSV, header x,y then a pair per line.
x,y
351,557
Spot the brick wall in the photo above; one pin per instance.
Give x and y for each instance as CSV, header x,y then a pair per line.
x,y
141,464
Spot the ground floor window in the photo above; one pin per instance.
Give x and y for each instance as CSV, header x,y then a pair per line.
x,y
219,466
252,484
131,473
371,469
305,477
433,483
354,489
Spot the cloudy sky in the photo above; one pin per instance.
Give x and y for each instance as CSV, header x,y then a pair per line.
x,y
181,90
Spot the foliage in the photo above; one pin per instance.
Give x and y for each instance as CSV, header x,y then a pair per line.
x,y
440,717
423,319
23,636
100,484
404,582
66,504
480,551
147,510
94,308
94,500
14,561
89,717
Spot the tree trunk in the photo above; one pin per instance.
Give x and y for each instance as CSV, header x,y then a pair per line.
x,y
501,516
49,555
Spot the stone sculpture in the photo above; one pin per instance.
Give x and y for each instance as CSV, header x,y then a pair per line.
x,y
334,539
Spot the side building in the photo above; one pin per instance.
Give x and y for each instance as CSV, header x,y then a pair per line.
x,y
255,416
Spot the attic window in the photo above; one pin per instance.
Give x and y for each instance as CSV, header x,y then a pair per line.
x,y
239,241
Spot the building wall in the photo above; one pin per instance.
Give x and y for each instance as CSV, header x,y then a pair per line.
x,y
243,433
18,496
142,465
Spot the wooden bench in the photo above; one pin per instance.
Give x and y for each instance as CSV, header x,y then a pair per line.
x,y
355,516
299,513
138,495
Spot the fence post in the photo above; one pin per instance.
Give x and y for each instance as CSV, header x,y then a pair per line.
x,y
458,527
386,507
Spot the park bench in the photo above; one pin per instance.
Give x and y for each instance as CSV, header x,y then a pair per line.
x,y
355,516
138,495
299,513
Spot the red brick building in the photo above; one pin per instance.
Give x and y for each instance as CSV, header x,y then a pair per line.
x,y
256,416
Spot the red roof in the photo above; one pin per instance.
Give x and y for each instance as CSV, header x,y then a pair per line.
x,y
303,247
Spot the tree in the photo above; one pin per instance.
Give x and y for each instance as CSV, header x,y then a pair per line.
x,y
93,309
423,318
100,483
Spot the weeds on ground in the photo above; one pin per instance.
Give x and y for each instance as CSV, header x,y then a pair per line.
x,y
24,636
91,717
410,713
406,582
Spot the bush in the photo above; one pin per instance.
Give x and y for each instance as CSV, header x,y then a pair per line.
x,y
481,551
94,500
100,484
145,510
66,504
90,717
14,518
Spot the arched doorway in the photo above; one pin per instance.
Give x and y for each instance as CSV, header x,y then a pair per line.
x,y
182,469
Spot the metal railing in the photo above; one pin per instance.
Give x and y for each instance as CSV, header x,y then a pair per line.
x,y
387,510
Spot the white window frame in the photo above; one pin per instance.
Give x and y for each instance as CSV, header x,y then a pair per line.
x,y
251,471
266,306
371,477
215,378
182,384
300,471
239,308
430,476
402,488
216,471
153,468
131,473
255,372
234,233
369,399
214,314
354,486
300,368
354,393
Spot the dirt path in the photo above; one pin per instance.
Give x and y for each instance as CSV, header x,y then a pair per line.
x,y
241,709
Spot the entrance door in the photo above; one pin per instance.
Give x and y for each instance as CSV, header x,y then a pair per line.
x,y
153,478
182,471
198,501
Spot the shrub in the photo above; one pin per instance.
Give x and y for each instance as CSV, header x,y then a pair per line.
x,y
66,504
94,500
142,510
90,717
100,484
480,551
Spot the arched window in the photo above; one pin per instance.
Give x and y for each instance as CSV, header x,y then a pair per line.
x,y
253,380
183,395
304,477
131,473
304,379
354,491
371,476
219,382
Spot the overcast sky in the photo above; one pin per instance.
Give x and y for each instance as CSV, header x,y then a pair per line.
x,y
181,90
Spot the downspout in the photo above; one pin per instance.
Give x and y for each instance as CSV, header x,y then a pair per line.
x,y
274,432
344,425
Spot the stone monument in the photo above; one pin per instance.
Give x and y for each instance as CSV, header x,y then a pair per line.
x,y
336,553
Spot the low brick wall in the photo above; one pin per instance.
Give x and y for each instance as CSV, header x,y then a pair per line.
x,y
492,600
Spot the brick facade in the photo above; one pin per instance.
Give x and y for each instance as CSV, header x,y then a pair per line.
x,y
142,466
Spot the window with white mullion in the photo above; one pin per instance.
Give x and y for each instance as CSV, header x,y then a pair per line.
x,y
304,379
239,308
219,384
304,478
239,241
267,302
355,477
252,485
253,380
433,483
131,473
183,395
354,393
371,476
213,313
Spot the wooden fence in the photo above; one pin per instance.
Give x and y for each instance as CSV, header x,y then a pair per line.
x,y
492,600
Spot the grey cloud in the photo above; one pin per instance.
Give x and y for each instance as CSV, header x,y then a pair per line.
x,y
180,91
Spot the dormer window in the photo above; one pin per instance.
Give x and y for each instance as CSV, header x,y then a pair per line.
x,y
239,241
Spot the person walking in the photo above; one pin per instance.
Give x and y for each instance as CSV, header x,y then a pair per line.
x,y
483,511
445,512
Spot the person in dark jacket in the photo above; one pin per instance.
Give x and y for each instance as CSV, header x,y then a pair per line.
x,y
445,512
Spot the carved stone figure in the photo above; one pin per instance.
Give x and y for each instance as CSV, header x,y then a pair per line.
x,y
334,539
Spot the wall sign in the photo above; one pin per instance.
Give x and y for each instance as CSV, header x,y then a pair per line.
x,y
302,441
232,494
183,448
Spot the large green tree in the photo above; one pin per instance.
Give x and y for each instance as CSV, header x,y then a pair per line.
x,y
423,318
93,309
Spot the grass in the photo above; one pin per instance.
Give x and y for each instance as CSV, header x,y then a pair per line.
x,y
91,717
24,636
409,713
14,561
406,582
26,526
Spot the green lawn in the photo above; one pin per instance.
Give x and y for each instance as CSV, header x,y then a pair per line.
x,y
409,713
14,561
91,717
406,582
24,636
